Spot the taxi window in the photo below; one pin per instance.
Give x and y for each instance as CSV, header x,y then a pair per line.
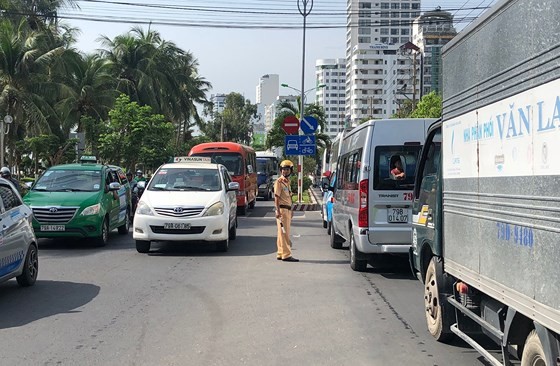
x,y
9,198
186,179
69,181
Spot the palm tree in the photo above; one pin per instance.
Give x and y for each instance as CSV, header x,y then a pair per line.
x,y
37,13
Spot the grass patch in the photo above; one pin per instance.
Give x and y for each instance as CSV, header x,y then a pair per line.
x,y
304,197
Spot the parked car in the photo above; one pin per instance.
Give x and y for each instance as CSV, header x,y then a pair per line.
x,y
18,244
193,200
85,200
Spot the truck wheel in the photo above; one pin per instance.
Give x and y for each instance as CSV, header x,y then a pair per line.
x,y
358,265
143,246
533,352
335,242
437,314
30,268
123,229
103,239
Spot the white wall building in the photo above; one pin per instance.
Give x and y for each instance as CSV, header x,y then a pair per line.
x,y
379,77
268,89
331,73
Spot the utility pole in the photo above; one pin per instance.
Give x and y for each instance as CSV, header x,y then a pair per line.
x,y
414,80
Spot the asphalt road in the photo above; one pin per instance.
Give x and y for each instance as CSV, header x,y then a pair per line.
x,y
189,305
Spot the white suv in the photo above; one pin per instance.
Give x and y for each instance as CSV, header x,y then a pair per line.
x,y
18,244
193,200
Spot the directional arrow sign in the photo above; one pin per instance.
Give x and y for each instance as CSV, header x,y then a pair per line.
x,y
290,125
309,124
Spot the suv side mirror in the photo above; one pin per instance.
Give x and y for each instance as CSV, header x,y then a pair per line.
x,y
233,186
114,186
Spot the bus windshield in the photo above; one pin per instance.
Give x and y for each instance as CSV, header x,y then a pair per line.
x,y
232,161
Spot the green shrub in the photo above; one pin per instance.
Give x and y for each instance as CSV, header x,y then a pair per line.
x,y
293,183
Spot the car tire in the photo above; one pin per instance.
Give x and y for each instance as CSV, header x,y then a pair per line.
x,y
233,232
335,242
358,265
102,240
30,268
266,196
222,245
143,246
123,229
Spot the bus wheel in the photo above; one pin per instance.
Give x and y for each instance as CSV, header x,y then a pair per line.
x,y
533,352
438,312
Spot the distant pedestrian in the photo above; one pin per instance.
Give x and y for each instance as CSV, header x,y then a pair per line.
x,y
284,213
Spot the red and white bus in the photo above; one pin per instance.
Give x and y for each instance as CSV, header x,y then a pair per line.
x,y
240,161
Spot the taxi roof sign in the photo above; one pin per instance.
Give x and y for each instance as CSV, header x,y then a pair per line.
x,y
88,159
192,159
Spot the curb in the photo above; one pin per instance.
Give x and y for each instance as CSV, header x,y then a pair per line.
x,y
307,206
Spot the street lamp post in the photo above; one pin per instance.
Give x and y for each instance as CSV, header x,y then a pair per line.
x,y
6,121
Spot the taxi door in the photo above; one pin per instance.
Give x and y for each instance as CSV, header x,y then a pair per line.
x,y
13,244
113,199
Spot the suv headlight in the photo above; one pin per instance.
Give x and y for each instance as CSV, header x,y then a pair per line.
x,y
91,210
144,209
215,210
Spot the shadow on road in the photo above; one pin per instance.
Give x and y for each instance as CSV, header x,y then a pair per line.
x,y
21,306
243,246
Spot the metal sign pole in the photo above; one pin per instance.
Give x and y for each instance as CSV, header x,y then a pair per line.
x,y
304,12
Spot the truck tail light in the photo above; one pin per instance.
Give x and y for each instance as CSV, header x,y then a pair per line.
x,y
363,211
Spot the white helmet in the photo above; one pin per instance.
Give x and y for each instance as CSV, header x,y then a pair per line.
x,y
5,172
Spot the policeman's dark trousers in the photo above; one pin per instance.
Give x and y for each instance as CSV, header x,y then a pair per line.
x,y
283,243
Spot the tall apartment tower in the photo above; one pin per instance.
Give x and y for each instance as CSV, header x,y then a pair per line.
x,y
430,32
332,97
378,72
268,89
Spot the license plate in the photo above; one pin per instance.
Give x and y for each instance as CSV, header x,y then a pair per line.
x,y
176,226
53,228
397,215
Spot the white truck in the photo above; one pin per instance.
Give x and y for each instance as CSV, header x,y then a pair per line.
x,y
486,213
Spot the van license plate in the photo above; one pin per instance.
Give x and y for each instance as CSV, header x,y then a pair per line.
x,y
53,228
176,226
397,215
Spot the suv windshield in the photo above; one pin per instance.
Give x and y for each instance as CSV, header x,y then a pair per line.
x,y
69,181
181,179
232,161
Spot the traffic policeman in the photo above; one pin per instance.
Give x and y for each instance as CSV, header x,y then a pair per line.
x,y
284,213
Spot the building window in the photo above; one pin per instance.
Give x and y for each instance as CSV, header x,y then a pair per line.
x,y
384,5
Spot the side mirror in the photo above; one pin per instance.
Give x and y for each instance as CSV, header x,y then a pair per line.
x,y
114,186
250,169
233,186
141,184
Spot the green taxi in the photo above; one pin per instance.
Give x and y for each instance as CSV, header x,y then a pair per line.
x,y
84,200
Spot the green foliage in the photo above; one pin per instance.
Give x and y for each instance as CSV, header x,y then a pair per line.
x,y
430,106
135,135
306,183
236,120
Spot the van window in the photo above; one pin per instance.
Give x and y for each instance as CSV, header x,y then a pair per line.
x,y
350,170
386,159
232,161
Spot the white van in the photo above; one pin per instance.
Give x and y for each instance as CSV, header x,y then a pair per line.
x,y
373,196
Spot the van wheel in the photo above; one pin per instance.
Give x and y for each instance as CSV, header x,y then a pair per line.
x,y
325,224
358,265
335,242
30,268
533,352
233,231
329,228
123,229
102,240
143,246
438,312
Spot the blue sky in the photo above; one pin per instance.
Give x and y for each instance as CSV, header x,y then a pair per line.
x,y
233,59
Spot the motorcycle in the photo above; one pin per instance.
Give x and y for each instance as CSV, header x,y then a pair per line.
x,y
137,191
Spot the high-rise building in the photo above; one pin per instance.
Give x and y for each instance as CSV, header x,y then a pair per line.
x,y
430,32
219,102
378,73
332,74
268,89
